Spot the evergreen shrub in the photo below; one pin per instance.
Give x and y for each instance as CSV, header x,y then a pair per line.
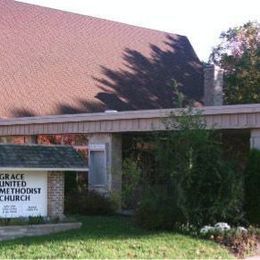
x,y
199,185
252,187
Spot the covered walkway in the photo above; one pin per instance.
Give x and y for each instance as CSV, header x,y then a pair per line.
x,y
104,132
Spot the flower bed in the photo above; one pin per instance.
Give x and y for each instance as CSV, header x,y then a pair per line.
x,y
239,240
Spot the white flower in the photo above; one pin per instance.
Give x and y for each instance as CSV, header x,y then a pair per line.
x,y
242,229
222,226
206,229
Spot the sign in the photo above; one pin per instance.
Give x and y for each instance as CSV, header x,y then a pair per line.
x,y
23,194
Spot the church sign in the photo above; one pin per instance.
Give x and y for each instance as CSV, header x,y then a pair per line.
x,y
23,194
32,179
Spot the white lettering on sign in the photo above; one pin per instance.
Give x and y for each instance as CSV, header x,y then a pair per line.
x,y
23,194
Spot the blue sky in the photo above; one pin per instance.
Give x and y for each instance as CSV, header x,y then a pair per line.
x,y
201,21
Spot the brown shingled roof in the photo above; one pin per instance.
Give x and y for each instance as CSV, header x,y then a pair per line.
x,y
55,62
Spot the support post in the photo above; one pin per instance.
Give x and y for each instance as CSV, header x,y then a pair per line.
x,y
255,139
30,139
55,196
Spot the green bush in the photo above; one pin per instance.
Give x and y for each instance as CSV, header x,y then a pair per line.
x,y
31,220
130,183
240,243
200,187
36,220
89,203
70,182
156,210
75,182
252,187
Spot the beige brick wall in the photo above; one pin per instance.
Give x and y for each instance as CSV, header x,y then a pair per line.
x,y
56,194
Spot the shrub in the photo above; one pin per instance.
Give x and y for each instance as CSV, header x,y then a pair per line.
x,y
36,220
131,183
5,221
156,209
31,220
89,203
200,187
75,182
252,188
239,241
70,182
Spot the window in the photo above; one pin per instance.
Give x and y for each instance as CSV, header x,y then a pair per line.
x,y
97,169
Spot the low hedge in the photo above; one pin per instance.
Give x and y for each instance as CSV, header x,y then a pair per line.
x,y
88,203
252,187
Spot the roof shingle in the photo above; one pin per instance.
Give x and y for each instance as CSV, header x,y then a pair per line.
x,y
55,62
40,157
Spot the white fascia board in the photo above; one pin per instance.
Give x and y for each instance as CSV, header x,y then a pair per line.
x,y
136,114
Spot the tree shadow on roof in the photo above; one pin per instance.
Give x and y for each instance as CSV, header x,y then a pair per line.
x,y
21,112
142,81
145,81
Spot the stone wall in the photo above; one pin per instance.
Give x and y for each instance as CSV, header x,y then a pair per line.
x,y
13,232
55,194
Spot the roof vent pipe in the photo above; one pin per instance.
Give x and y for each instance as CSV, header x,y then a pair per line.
x,y
111,111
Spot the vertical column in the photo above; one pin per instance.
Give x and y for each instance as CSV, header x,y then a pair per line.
x,y
55,194
105,164
30,139
255,139
213,85
4,140
116,164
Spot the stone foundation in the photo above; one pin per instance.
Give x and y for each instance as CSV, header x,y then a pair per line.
x,y
13,232
55,194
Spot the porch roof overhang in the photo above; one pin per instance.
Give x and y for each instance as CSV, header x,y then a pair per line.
x,y
40,158
218,117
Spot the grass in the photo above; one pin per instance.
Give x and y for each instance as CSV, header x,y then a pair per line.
x,y
111,237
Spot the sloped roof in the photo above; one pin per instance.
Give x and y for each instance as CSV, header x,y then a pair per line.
x,y
40,157
55,62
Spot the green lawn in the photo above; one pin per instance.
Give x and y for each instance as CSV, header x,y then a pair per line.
x,y
111,237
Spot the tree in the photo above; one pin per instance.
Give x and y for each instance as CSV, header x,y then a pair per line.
x,y
238,54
